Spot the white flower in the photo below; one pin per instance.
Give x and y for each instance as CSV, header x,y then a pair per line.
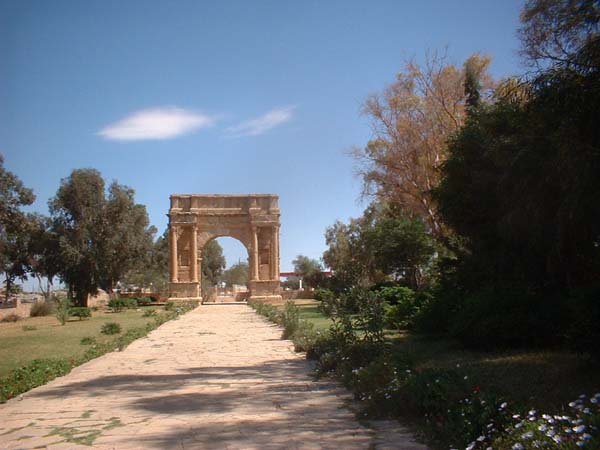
x,y
586,437
481,438
551,433
518,446
465,377
542,428
503,405
557,439
527,435
579,429
471,446
532,412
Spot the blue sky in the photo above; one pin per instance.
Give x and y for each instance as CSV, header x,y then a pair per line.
x,y
220,97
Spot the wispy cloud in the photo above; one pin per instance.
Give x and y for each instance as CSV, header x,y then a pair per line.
x,y
156,123
262,124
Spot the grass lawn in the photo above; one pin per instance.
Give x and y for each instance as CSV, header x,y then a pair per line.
x,y
51,340
542,379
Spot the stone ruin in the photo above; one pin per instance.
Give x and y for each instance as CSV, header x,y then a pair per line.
x,y
196,219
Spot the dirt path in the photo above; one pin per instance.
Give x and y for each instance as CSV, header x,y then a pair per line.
x,y
217,378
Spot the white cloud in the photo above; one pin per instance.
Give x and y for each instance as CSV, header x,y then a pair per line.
x,y
262,124
156,123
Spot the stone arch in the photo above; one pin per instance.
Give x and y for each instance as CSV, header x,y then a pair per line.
x,y
196,219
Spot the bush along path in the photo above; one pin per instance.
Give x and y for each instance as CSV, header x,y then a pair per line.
x,y
41,371
443,405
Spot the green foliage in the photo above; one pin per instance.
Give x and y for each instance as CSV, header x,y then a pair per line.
x,y
111,328
144,301
15,227
169,306
34,374
149,312
119,304
88,340
11,318
328,301
100,237
81,312
29,328
213,263
43,308
309,270
290,319
236,274
62,305
583,332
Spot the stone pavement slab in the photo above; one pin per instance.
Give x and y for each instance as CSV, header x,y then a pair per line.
x,y
219,377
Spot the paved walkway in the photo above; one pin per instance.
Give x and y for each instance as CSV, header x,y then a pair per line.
x,y
216,378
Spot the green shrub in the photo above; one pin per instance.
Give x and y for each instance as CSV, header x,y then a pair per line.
x,y
119,304
42,308
29,328
305,337
169,306
111,328
34,374
583,332
149,313
87,340
11,318
290,319
393,295
61,310
81,312
328,301
144,301
495,318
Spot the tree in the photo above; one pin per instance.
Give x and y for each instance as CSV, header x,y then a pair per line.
x,y
99,238
127,238
15,227
412,120
556,31
154,272
44,253
309,270
401,248
236,274
213,263
521,182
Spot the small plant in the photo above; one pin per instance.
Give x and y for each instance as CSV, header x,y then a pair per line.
x,y
11,318
290,319
169,306
149,313
119,304
87,340
111,328
81,312
42,308
144,301
29,328
61,311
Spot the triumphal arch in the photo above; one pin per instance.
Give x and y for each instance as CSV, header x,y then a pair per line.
x,y
195,219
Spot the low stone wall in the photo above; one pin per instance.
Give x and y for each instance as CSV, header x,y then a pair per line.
x,y
16,307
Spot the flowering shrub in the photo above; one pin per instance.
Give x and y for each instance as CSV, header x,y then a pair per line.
x,y
580,429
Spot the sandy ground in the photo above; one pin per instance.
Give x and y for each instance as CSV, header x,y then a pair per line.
x,y
219,377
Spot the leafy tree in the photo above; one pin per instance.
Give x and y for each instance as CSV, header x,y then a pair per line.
x,y
44,253
401,248
309,270
127,239
213,263
412,120
236,274
15,227
99,238
557,31
154,272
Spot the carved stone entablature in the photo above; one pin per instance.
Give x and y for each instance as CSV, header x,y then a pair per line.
x,y
195,219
